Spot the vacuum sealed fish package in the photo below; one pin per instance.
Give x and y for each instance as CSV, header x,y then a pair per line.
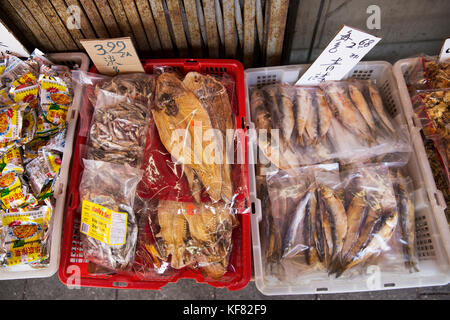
x,y
192,175
343,121
33,108
108,222
172,139
335,222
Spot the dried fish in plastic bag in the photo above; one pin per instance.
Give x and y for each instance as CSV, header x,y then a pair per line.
x,y
121,115
109,229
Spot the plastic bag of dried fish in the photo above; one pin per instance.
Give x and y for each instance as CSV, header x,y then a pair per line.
x,y
195,121
147,263
372,218
265,105
362,127
297,213
189,234
120,117
108,222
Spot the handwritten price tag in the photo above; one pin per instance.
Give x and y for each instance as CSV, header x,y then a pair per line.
x,y
346,49
113,56
444,56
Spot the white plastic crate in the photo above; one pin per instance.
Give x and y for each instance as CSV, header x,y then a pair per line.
x,y
73,60
401,69
432,232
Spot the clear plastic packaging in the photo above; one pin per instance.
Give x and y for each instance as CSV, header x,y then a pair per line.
x,y
339,121
120,118
432,109
325,218
109,230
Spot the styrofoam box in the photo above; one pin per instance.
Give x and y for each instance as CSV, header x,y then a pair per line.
x,y
432,231
75,60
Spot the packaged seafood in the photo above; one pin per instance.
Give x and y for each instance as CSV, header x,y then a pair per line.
x,y
387,246
108,222
340,120
187,214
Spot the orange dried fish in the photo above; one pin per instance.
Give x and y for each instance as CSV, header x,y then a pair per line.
x,y
177,111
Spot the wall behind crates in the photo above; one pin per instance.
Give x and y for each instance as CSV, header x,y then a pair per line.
x,y
249,30
407,27
257,32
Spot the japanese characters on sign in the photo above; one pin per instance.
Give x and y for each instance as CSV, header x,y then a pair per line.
x,y
113,56
346,49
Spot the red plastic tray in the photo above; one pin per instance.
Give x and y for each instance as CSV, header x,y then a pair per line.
x,y
73,269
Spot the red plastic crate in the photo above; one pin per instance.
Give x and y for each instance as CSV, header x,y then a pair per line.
x,y
73,264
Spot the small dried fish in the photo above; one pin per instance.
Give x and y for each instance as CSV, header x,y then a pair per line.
x,y
346,112
303,106
287,112
324,114
294,224
312,125
361,104
337,217
379,236
379,108
356,214
407,225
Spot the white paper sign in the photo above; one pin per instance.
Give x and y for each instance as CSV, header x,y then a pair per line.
x,y
445,51
9,43
346,49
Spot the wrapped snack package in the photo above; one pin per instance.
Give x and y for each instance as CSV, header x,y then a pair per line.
x,y
31,152
108,222
55,99
22,236
432,108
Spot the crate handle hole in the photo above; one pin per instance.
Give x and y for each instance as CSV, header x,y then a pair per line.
x,y
321,289
120,284
389,285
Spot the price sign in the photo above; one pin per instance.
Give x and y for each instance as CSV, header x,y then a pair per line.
x,y
346,49
444,56
113,56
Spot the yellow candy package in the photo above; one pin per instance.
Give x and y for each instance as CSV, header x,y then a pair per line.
x,y
55,99
11,119
22,235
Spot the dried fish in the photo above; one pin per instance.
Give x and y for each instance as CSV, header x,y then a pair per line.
x,y
361,104
324,114
303,106
379,108
294,224
338,219
346,112
406,221
215,99
177,109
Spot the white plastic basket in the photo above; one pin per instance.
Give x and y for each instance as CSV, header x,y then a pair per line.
x,y
73,60
432,232
401,69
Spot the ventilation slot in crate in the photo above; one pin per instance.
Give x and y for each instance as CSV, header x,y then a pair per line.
x,y
216,70
389,103
77,255
424,244
265,80
362,74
